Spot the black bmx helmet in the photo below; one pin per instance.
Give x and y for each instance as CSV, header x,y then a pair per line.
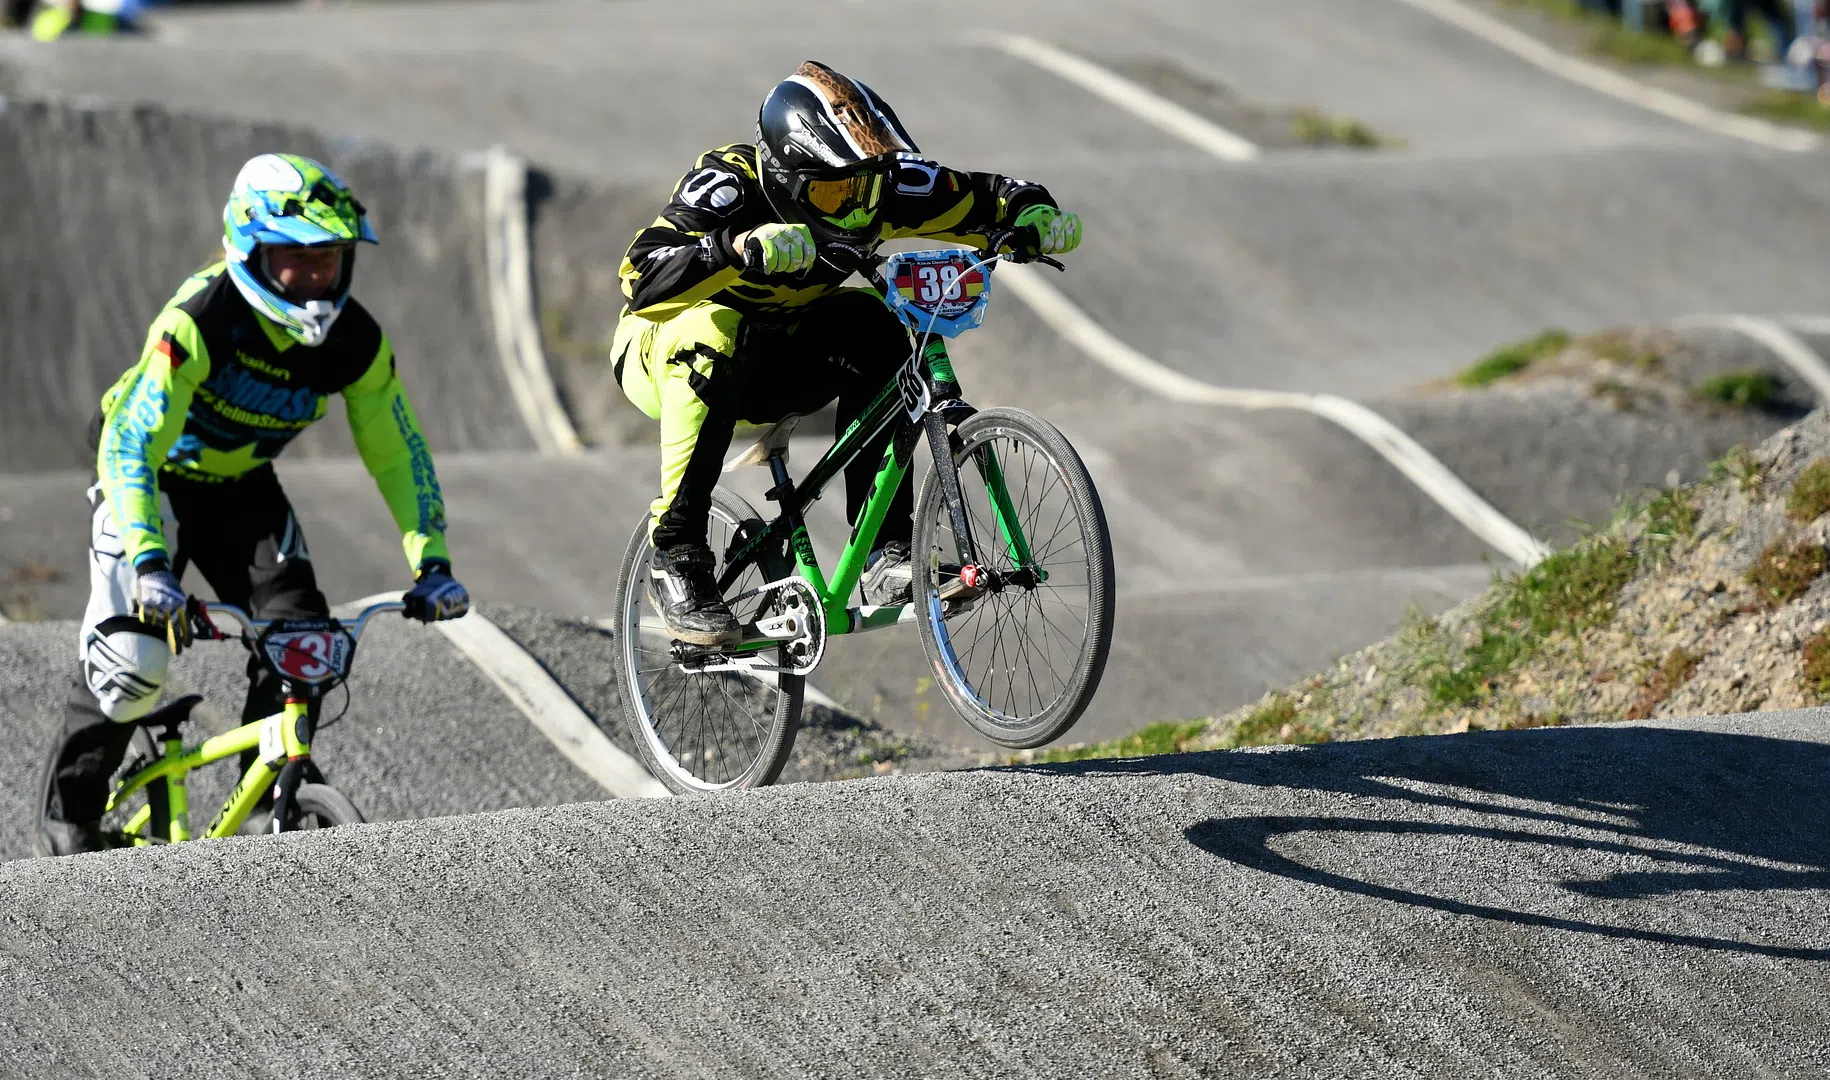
x,y
827,145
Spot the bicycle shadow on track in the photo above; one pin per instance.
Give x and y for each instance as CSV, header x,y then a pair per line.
x,y
1598,817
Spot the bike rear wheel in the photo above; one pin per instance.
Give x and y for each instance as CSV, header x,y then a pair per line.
x,y
1021,659
703,732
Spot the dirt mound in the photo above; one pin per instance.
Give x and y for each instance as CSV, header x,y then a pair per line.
x,y
1705,598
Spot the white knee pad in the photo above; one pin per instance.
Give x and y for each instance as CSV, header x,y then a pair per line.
x,y
125,670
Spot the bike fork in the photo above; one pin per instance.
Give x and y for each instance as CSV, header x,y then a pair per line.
x,y
942,450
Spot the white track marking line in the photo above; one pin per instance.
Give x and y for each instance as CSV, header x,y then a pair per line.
x,y
548,707
511,304
543,701
1421,467
1612,83
1783,343
1127,95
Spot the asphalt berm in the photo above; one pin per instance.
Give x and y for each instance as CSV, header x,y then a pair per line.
x,y
1631,900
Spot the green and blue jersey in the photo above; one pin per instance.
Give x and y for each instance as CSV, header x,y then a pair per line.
x,y
220,391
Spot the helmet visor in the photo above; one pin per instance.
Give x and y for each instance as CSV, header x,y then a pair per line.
x,y
844,199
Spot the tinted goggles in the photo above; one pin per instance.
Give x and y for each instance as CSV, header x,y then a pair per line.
x,y
842,197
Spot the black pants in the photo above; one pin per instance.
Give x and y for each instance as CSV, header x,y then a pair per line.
x,y
847,345
243,538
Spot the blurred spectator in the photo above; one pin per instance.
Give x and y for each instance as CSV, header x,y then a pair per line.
x,y
1734,21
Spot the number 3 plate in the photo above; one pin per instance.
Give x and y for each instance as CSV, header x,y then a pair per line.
x,y
309,656
940,289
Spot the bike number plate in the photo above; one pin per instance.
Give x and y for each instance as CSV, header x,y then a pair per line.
x,y
943,290
309,656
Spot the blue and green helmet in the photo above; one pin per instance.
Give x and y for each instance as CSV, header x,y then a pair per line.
x,y
285,200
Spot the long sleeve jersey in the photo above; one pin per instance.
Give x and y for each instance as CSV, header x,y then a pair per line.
x,y
220,391
687,255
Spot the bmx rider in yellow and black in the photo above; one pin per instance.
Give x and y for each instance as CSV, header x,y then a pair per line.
x,y
240,362
733,315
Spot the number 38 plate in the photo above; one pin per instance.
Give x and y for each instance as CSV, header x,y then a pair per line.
x,y
309,656
940,289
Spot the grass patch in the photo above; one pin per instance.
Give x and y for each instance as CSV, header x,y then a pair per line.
x,y
1671,518
1482,666
1622,350
1784,571
1567,593
1741,466
1317,128
1786,107
1816,679
1741,389
1276,721
1512,359
1680,664
1616,42
1168,738
1571,590
1810,497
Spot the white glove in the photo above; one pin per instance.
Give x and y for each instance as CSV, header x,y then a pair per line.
x,y
158,601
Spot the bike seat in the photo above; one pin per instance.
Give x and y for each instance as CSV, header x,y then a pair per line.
x,y
774,441
171,714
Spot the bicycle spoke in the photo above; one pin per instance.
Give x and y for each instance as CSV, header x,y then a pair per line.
x,y
705,729
1019,648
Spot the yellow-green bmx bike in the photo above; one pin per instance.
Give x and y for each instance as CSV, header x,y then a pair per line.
x,y
151,804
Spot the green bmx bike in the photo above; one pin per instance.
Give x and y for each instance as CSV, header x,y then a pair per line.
x,y
1012,565
151,805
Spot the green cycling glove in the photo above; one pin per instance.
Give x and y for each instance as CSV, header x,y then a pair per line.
x,y
778,249
1057,232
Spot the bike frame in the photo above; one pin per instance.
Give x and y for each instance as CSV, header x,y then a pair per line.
x,y
283,737
283,742
930,369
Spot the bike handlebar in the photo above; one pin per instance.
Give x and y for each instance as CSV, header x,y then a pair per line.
x,y
870,263
253,627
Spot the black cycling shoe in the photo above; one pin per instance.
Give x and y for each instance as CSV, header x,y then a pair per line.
x,y
888,576
56,838
683,593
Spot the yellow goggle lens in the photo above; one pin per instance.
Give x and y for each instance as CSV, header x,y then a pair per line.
x,y
839,196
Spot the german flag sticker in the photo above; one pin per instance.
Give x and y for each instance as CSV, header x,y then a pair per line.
x,y
168,346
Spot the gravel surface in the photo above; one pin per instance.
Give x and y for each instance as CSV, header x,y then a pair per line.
x,y
1644,900
426,733
832,744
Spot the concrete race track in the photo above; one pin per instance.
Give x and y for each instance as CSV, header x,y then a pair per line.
x,y
1621,901
1585,902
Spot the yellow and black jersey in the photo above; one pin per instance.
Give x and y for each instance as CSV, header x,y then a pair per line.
x,y
687,256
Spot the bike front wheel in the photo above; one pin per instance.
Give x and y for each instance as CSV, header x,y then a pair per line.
x,y
320,806
1020,651
701,732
